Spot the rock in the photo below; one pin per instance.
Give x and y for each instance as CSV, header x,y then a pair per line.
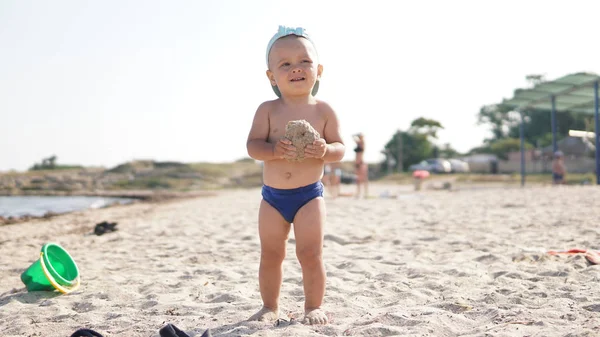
x,y
300,133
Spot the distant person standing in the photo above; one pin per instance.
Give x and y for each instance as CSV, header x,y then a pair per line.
x,y
361,168
559,170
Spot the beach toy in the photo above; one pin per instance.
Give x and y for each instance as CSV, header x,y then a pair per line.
x,y
421,174
55,269
593,256
418,176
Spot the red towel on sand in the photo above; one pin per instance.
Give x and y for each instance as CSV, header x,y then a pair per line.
x,y
592,256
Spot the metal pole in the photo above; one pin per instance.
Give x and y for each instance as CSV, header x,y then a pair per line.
x,y
399,165
388,160
522,136
553,117
597,103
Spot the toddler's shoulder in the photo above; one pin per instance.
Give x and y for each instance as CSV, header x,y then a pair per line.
x,y
268,104
325,108
323,105
265,108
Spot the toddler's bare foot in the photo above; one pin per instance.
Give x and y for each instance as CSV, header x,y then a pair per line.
x,y
265,315
315,316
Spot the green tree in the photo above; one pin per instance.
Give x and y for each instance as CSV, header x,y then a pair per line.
x,y
502,147
50,164
535,79
426,126
538,125
416,142
499,119
504,122
448,152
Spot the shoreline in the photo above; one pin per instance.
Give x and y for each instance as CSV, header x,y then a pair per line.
x,y
378,189
139,196
146,195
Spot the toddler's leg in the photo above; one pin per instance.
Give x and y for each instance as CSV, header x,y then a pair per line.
x,y
308,230
273,231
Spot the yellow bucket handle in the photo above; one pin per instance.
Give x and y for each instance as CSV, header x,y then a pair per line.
x,y
60,288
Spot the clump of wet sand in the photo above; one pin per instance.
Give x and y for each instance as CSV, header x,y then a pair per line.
x,y
300,133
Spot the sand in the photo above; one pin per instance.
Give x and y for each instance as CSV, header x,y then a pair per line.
x,y
436,263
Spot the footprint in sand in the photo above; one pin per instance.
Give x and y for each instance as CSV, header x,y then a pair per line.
x,y
81,307
592,308
488,258
149,304
455,308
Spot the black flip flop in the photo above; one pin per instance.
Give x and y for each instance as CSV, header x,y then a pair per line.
x,y
86,333
170,330
105,227
110,226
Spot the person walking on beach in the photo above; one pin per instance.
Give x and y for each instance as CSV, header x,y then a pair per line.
x,y
360,167
559,170
292,190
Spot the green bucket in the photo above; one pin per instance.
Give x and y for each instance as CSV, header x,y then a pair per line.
x,y
55,269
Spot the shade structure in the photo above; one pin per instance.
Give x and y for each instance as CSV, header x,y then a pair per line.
x,y
576,92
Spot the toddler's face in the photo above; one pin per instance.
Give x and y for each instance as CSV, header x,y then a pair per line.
x,y
293,66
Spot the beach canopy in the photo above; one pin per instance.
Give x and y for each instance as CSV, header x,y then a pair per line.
x,y
571,93
574,93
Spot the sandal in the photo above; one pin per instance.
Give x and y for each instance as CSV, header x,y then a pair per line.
x,y
170,330
105,227
86,333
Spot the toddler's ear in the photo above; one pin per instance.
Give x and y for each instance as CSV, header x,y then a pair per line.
x,y
271,78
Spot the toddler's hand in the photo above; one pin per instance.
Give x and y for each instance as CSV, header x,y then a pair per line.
x,y
316,150
284,149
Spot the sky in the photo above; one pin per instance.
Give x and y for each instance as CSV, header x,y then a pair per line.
x,y
100,83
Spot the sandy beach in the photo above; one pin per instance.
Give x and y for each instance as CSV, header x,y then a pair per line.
x,y
437,263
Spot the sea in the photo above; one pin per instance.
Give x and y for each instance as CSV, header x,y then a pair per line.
x,y
18,206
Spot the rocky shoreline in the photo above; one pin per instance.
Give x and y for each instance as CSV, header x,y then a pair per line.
x,y
10,220
142,180
138,175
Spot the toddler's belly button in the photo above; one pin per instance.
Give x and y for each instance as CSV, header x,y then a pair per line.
x,y
288,175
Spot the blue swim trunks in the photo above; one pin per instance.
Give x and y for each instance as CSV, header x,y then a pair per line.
x,y
289,201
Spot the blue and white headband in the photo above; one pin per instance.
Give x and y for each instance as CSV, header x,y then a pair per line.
x,y
286,31
283,32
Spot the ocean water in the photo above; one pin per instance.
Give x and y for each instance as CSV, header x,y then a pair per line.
x,y
18,206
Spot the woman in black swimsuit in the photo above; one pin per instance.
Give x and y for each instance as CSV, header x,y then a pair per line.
x,y
361,168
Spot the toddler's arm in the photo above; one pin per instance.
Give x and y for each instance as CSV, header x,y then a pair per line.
x,y
335,145
257,145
